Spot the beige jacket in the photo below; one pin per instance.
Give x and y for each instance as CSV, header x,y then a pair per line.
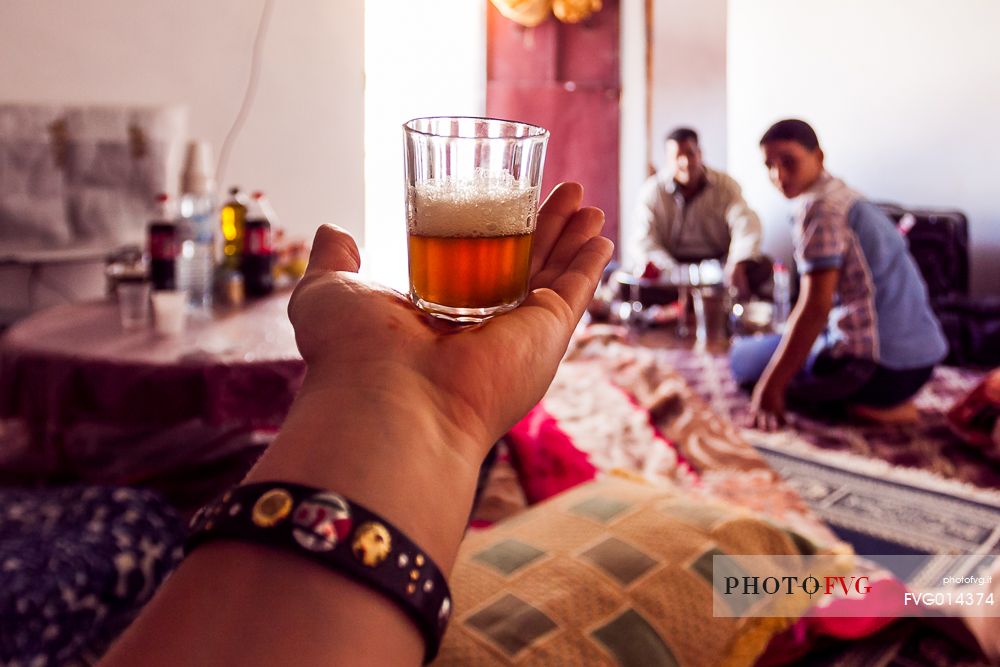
x,y
716,223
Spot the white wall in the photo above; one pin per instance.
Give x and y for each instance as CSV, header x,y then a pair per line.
x,y
302,142
634,123
444,76
905,98
689,74
687,86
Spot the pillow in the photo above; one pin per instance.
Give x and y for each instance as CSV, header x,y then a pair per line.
x,y
611,572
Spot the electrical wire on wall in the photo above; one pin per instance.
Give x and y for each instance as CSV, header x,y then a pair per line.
x,y
249,94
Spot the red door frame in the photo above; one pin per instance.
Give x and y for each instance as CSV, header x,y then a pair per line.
x,y
566,78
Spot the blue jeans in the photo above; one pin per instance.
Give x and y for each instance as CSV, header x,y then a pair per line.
x,y
826,379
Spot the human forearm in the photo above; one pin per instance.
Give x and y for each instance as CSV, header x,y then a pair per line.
x,y
646,241
236,603
806,322
646,250
383,443
376,442
745,231
739,279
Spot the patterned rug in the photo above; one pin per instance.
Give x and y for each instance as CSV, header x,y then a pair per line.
x,y
886,510
928,445
883,509
886,490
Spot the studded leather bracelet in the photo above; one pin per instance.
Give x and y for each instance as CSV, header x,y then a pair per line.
x,y
338,533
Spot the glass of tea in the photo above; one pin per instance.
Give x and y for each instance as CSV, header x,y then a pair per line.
x,y
472,188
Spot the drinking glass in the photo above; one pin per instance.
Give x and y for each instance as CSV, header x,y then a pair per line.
x,y
685,277
472,188
133,303
712,305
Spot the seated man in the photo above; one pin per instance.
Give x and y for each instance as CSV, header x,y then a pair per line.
x,y
689,213
862,333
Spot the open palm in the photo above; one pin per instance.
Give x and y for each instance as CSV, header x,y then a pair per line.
x,y
481,379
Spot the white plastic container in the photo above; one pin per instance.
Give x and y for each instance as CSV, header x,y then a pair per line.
x,y
169,312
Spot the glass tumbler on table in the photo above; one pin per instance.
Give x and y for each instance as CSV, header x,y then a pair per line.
x,y
133,302
685,277
472,189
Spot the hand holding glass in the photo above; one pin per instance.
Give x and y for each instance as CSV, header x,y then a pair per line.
x,y
472,188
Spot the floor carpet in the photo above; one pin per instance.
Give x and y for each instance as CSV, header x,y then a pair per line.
x,y
927,445
916,490
887,510
883,509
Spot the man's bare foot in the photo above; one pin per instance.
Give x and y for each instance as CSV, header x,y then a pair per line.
x,y
904,413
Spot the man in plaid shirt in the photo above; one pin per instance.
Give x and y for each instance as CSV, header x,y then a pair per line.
x,y
862,333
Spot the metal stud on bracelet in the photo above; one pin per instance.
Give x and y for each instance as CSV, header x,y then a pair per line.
x,y
338,533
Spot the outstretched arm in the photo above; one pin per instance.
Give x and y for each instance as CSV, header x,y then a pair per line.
x,y
646,241
807,321
396,414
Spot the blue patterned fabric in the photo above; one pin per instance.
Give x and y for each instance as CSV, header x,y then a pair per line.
x,y
76,565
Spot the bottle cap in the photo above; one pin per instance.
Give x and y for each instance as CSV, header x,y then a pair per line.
x,y
164,207
263,207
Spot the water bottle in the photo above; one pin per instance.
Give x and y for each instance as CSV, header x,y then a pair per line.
x,y
196,226
782,296
196,259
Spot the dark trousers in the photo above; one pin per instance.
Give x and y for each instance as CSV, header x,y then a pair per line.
x,y
826,379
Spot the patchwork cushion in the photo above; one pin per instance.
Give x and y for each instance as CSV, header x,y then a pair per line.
x,y
611,572
76,565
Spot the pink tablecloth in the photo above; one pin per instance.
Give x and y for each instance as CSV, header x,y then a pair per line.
x,y
73,367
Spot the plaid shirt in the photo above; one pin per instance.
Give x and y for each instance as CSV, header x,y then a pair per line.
x,y
824,239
